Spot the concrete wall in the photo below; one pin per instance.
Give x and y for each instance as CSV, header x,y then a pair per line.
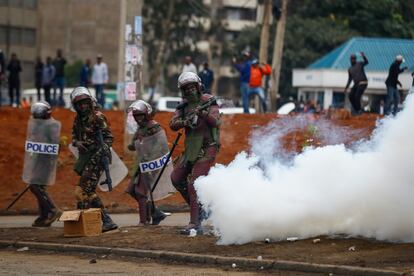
x,y
82,29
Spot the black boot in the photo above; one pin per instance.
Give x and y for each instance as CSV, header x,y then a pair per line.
x,y
108,223
158,216
82,205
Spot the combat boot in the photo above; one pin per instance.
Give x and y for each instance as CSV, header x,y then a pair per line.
x,y
56,213
107,222
158,216
39,222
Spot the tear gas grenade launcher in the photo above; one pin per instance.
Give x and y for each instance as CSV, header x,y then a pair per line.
x,y
105,162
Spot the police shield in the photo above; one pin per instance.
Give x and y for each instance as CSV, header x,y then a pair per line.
x,y
41,151
152,153
117,169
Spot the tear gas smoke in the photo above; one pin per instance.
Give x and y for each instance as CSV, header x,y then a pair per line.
x,y
365,191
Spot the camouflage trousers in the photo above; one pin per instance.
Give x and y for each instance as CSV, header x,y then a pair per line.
x,y
86,190
45,203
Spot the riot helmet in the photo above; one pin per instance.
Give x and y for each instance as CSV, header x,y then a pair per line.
x,y
142,112
41,110
190,85
82,100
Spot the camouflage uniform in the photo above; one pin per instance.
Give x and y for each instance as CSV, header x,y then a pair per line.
x,y
89,165
201,147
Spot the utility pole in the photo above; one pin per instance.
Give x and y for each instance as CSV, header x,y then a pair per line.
x,y
130,63
277,55
264,43
215,46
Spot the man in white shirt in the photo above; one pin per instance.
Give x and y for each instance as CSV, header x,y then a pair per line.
x,y
99,79
189,66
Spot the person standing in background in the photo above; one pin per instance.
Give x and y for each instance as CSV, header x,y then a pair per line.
x,y
244,70
99,79
189,65
59,64
255,84
412,86
207,78
356,73
393,96
38,77
14,69
48,75
2,72
85,74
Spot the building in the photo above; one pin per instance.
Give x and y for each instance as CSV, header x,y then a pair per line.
x,y
324,80
19,33
235,16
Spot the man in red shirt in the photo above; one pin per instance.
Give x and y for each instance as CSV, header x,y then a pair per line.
x,y
255,84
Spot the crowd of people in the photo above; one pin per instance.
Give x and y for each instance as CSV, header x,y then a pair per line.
x,y
50,78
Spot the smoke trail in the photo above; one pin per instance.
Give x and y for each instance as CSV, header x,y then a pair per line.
x,y
367,191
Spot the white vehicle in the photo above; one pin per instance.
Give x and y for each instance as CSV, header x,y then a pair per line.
x,y
170,103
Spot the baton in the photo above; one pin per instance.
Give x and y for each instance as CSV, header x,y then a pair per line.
x,y
18,197
162,170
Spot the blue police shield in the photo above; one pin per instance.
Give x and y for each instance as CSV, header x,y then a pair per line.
x,y
41,151
152,152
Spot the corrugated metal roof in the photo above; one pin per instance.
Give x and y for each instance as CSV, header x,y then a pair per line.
x,y
380,52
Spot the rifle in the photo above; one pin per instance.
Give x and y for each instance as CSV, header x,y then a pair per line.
x,y
191,115
105,161
18,197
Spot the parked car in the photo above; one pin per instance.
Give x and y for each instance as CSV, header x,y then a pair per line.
x,y
170,103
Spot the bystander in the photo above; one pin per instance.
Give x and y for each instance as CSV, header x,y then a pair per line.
x,y
14,69
48,75
38,77
207,78
59,64
244,70
99,79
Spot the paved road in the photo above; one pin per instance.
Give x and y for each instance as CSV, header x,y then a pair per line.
x,y
44,263
176,219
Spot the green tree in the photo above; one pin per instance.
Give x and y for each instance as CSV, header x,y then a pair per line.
x,y
72,73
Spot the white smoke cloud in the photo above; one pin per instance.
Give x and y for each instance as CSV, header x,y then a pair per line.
x,y
365,191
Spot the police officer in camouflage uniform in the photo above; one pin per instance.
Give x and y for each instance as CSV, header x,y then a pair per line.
x,y
48,212
201,143
139,185
89,124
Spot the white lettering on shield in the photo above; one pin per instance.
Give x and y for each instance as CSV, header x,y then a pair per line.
x,y
153,165
43,148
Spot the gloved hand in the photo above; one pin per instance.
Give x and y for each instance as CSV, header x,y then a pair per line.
x,y
82,148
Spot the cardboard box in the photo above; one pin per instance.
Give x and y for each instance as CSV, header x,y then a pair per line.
x,y
81,223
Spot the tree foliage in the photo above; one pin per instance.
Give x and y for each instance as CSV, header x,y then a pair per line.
x,y
316,27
